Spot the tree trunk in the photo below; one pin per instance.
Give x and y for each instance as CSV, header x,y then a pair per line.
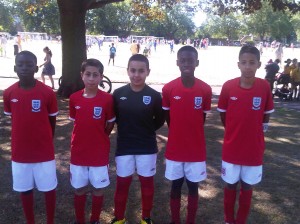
x,y
72,22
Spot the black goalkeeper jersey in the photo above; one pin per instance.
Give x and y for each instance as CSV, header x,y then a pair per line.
x,y
139,115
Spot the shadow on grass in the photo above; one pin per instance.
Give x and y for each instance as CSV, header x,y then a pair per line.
x,y
275,199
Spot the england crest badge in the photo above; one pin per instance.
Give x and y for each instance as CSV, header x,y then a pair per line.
x,y
97,112
198,102
256,102
146,100
36,105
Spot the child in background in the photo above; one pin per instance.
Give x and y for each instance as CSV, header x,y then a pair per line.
x,y
48,69
245,105
92,112
33,109
186,101
112,53
139,115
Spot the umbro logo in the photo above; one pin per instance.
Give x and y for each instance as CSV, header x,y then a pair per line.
x,y
233,98
123,98
77,107
14,100
177,97
104,180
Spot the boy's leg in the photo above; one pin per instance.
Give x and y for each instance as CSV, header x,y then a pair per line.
x,y
121,195
147,189
79,204
244,203
27,203
97,202
50,198
175,199
99,179
229,202
193,199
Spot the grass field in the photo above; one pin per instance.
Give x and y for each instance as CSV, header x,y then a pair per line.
x,y
276,200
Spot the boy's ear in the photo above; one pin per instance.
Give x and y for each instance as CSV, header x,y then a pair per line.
x,y
15,69
36,69
259,64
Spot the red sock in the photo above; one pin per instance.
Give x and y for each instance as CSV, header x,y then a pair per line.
x,y
27,202
50,199
97,202
175,209
147,189
192,208
244,206
79,204
229,203
121,195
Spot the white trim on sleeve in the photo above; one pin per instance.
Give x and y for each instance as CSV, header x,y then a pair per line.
x,y
221,110
269,111
166,108
53,114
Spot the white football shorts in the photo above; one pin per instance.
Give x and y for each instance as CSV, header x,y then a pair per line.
x,y
28,175
81,176
232,173
144,165
193,171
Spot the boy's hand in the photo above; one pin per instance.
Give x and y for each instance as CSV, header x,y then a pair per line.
x,y
265,127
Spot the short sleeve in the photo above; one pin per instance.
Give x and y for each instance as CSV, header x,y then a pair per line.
x,y
52,105
111,117
223,99
165,98
72,111
6,99
207,100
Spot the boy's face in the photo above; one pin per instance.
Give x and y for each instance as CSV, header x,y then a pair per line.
x,y
187,62
25,66
91,77
248,64
137,72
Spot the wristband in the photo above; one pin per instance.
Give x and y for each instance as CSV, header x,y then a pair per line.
x,y
265,127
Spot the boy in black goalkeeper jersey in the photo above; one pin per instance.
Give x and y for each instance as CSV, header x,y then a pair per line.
x,y
139,114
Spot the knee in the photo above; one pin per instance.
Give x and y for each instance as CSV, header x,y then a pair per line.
x,y
193,187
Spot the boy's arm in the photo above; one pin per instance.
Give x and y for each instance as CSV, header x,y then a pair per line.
x,y
223,118
52,120
204,117
167,116
109,127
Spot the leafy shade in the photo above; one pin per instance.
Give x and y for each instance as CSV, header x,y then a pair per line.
x,y
221,7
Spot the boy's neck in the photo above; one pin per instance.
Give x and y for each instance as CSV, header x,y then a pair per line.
x,y
137,88
27,84
188,82
247,83
89,93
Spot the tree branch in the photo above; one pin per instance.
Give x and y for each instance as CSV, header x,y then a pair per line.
x,y
94,4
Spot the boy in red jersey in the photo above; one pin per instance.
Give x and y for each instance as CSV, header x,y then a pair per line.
x,y
139,114
92,112
33,109
186,101
245,105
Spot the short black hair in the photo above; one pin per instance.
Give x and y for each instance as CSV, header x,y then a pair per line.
x,y
251,50
27,53
139,57
187,48
92,62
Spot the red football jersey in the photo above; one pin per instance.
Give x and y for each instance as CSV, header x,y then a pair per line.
x,y
245,108
31,137
186,140
90,144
